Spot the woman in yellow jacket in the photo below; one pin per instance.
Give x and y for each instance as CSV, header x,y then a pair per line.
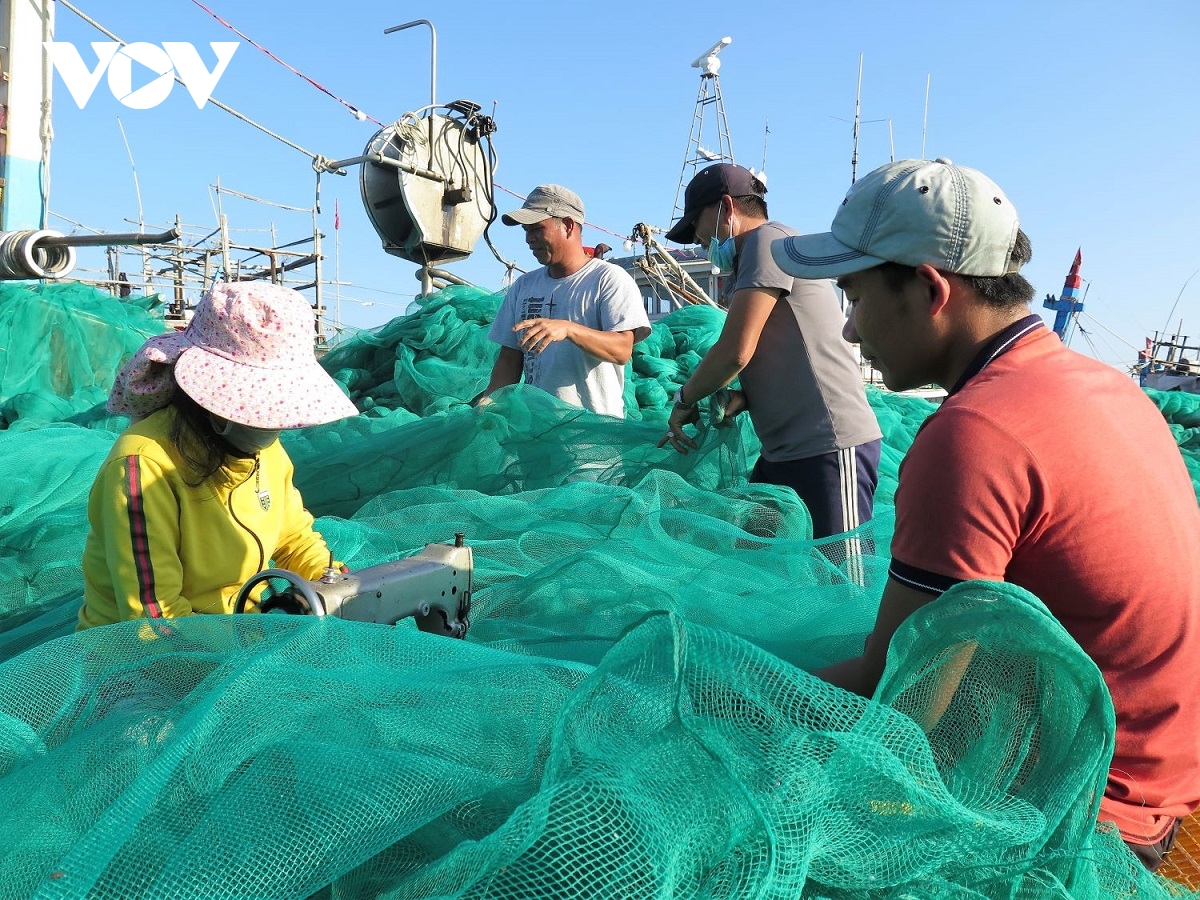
x,y
197,495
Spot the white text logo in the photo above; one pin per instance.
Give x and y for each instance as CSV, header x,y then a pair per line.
x,y
171,59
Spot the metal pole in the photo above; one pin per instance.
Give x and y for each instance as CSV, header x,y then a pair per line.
x,y
226,272
180,296
925,118
318,292
337,277
113,266
46,126
857,108
379,159
432,66
123,239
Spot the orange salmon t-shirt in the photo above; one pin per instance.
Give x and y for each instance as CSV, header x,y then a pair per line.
x,y
1052,471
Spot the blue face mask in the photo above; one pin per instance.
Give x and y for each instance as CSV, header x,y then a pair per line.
x,y
722,253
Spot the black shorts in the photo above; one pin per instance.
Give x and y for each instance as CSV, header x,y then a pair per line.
x,y
1151,855
838,488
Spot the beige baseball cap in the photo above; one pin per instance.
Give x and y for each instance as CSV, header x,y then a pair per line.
x,y
546,201
912,212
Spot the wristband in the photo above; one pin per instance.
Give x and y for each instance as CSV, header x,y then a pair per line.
x,y
678,398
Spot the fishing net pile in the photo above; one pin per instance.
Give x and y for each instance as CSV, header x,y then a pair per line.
x,y
631,714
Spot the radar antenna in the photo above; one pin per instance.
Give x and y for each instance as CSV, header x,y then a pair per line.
x,y
697,153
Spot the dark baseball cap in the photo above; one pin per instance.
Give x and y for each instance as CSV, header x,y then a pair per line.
x,y
707,187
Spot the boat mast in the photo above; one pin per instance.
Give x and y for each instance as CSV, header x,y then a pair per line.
x,y
857,112
1069,304
858,122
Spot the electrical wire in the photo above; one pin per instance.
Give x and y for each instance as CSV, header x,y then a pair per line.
x,y
1101,325
76,224
1171,314
240,195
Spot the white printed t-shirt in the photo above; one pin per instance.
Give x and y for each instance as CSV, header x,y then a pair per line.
x,y
601,296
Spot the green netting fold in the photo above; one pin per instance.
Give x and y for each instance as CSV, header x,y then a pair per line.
x,y
278,756
631,714
60,348
1182,412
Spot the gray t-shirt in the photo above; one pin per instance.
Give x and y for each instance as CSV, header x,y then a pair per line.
x,y
803,388
600,296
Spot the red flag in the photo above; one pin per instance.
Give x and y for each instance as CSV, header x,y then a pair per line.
x,y
337,216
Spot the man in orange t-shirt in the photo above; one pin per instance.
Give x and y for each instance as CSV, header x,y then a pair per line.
x,y
1028,472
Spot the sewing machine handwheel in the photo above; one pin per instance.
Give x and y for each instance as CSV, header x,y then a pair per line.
x,y
303,599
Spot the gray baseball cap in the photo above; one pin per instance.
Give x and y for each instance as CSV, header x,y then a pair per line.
x,y
546,201
912,212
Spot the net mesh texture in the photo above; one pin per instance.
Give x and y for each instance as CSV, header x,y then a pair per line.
x,y
631,714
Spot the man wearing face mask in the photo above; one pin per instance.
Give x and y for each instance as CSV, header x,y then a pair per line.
x,y
782,339
197,495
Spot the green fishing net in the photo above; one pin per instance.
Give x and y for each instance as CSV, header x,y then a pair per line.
x,y
631,715
61,347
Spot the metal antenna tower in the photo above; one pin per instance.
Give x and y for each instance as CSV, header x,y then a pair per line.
x,y
697,154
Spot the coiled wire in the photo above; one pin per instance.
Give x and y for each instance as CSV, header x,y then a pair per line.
x,y
23,256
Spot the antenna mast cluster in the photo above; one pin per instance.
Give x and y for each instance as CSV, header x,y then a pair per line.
x,y
697,153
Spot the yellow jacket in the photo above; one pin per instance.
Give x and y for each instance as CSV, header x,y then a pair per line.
x,y
160,548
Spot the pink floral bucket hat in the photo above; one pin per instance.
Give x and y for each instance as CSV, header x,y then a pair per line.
x,y
246,356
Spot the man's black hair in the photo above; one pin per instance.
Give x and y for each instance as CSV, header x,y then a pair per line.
x,y
999,291
752,206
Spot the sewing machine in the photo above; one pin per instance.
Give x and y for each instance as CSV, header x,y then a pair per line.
x,y
433,586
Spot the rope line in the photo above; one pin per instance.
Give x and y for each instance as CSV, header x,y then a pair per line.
x,y
1100,324
253,43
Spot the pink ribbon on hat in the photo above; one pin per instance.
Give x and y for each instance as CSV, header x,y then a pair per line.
x,y
146,382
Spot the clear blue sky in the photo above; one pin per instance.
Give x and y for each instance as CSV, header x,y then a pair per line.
x,y
1086,113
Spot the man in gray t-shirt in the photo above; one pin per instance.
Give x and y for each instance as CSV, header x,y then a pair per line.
x,y
783,339
570,326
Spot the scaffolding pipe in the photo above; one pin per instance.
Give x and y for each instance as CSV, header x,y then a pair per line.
x,y
126,239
